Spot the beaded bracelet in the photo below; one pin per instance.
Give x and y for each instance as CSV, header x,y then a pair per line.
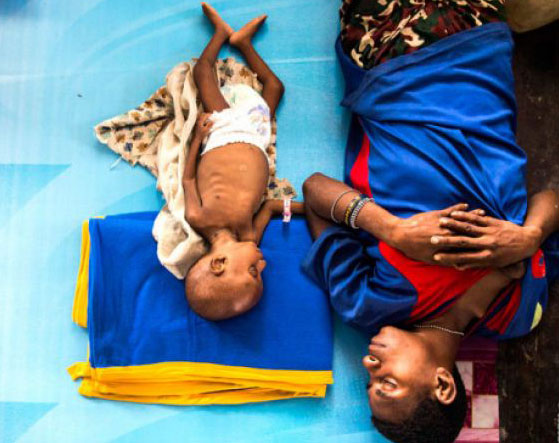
x,y
350,208
358,207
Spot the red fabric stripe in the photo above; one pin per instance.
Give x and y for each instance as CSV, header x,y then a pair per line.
x,y
359,174
502,319
435,285
538,264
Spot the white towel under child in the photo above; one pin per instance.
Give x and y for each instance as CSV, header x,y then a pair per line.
x,y
247,120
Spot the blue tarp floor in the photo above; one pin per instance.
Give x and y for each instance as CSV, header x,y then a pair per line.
x,y
65,66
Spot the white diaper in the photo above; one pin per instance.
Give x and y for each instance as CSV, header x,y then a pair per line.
x,y
247,120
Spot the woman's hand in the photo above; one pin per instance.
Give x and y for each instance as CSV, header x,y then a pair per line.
x,y
490,242
413,236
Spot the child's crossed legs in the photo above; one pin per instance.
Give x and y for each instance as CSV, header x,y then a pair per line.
x,y
204,76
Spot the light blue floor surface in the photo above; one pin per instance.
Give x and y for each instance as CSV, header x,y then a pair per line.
x,y
66,65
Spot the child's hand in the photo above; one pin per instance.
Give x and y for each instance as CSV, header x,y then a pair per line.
x,y
203,125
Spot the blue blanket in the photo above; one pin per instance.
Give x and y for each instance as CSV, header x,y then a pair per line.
x,y
142,329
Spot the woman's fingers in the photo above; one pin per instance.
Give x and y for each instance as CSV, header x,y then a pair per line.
x,y
464,260
472,217
459,227
458,207
460,241
479,212
444,232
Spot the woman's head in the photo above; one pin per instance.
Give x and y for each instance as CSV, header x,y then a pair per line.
x,y
412,391
227,281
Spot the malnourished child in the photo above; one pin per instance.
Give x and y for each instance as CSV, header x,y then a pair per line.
x,y
224,190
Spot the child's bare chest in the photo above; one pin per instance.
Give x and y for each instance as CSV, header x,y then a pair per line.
x,y
237,173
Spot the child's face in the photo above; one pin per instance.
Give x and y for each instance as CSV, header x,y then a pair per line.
x,y
239,266
244,262
227,281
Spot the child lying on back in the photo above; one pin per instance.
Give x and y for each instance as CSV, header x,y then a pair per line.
x,y
224,191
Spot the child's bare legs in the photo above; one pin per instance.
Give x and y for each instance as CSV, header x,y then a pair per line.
x,y
272,86
204,76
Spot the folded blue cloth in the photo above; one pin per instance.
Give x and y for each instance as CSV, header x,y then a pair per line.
x,y
146,344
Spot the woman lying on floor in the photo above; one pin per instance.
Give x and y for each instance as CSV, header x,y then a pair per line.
x,y
433,125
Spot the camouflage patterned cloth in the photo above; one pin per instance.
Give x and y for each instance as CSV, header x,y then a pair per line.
x,y
374,31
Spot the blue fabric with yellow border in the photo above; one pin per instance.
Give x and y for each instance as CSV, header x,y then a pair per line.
x,y
141,327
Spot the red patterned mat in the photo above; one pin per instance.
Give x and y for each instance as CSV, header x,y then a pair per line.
x,y
476,362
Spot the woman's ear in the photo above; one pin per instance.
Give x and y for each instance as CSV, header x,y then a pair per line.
x,y
218,265
446,387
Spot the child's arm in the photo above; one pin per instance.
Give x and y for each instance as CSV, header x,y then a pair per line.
x,y
270,208
193,205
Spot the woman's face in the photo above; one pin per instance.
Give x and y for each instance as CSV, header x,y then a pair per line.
x,y
401,371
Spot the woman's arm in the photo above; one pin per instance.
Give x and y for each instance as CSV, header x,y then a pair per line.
x,y
543,213
412,236
324,195
499,243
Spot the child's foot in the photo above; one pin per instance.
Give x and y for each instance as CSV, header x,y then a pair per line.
x,y
220,25
244,35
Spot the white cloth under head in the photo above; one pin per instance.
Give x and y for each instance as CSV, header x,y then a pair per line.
x,y
247,120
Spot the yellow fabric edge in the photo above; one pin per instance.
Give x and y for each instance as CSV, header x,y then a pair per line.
x,y
203,387
79,309
190,383
88,388
537,316
195,387
183,371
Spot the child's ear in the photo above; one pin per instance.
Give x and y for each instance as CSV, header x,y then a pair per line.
x,y
261,265
218,264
